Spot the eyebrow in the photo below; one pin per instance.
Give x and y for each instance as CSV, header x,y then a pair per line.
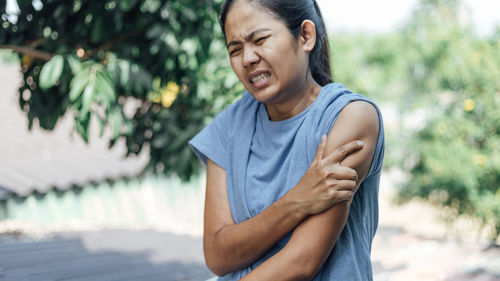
x,y
249,37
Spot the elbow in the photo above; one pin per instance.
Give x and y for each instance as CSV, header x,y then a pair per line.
x,y
215,258
306,267
217,268
216,262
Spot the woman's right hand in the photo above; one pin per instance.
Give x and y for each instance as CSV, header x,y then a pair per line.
x,y
326,182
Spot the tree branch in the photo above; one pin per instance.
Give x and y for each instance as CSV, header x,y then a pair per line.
x,y
36,54
45,56
37,42
110,44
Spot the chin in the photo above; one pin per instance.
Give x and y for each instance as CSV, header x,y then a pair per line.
x,y
262,97
265,95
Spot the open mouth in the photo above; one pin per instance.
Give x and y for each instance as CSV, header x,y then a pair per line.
x,y
260,80
261,77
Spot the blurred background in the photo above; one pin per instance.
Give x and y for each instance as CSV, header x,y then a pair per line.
x,y
99,98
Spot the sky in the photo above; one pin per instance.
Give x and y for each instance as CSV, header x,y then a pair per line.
x,y
385,15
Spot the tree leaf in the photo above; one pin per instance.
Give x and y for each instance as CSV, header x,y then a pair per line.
x,y
78,83
88,97
105,86
82,122
74,64
116,120
51,72
100,123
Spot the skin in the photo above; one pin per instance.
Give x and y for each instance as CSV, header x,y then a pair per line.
x,y
317,207
257,42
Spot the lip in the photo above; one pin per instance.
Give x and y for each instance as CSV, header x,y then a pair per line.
x,y
255,74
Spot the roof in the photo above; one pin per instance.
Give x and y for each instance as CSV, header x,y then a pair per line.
x,y
38,160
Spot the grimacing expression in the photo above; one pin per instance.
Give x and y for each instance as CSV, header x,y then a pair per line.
x,y
267,59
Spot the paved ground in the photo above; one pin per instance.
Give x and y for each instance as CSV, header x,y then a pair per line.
x,y
413,244
108,255
398,255
104,255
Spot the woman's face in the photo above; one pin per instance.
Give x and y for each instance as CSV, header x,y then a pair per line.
x,y
267,59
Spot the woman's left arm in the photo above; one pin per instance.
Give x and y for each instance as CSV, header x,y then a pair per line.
x,y
314,238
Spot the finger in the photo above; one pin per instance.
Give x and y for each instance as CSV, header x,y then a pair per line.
x,y
342,152
339,185
341,195
342,173
321,148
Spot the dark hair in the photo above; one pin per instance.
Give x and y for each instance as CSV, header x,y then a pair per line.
x,y
293,13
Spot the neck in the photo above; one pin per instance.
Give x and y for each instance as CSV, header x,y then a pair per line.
x,y
296,102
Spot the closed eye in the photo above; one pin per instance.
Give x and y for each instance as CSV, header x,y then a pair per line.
x,y
234,51
261,39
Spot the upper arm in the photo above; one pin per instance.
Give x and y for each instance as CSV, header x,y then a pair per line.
x,y
358,121
217,212
313,240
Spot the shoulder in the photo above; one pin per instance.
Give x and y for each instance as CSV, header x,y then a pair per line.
x,y
337,101
358,120
362,116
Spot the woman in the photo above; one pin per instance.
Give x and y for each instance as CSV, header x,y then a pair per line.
x,y
283,200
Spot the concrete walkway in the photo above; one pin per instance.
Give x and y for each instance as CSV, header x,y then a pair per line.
x,y
108,255
399,255
104,255
413,244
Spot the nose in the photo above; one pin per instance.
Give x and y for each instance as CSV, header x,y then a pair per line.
x,y
250,57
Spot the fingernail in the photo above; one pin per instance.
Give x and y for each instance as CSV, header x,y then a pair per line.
x,y
360,143
323,138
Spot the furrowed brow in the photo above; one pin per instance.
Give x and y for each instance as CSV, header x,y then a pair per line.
x,y
249,37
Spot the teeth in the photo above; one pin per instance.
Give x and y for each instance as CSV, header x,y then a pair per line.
x,y
260,77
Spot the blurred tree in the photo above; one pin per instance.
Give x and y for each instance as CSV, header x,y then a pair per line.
x,y
444,81
376,66
152,71
454,160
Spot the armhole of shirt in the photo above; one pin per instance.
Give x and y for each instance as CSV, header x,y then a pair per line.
x,y
211,142
343,101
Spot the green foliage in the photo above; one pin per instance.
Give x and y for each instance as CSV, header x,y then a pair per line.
x,y
51,72
152,71
455,76
444,82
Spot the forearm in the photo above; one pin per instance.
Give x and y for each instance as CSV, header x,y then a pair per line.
x,y
283,266
236,246
307,250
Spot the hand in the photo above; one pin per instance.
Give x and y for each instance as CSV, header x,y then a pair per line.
x,y
326,182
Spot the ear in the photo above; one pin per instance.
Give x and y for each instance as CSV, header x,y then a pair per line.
x,y
308,35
